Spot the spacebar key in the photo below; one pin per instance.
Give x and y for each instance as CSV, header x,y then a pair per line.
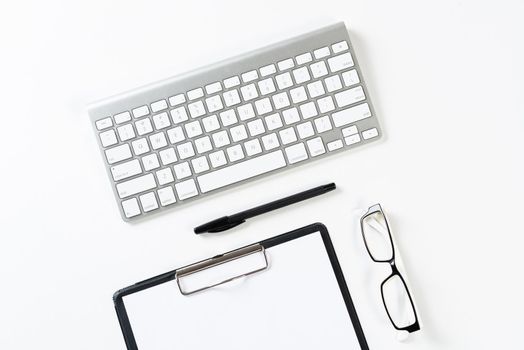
x,y
241,171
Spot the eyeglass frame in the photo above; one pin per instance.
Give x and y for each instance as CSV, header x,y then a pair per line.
x,y
377,208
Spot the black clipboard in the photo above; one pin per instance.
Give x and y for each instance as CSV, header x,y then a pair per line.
x,y
177,275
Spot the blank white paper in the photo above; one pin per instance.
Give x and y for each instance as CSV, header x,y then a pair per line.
x,y
295,304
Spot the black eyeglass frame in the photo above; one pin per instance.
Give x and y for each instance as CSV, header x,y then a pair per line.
x,y
394,270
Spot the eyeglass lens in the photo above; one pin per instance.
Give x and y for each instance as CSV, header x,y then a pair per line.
x,y
397,302
376,235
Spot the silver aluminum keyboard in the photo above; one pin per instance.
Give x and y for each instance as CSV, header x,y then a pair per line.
x,y
249,116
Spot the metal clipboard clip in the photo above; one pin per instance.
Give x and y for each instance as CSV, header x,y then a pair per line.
x,y
221,269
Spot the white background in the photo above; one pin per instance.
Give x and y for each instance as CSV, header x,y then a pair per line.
x,y
447,82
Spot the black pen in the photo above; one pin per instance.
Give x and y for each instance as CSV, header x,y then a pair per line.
x,y
226,222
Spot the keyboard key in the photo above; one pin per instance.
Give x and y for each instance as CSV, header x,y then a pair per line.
x,y
284,81
273,121
108,138
150,162
196,109
231,82
200,164
166,196
288,136
238,133
340,62
168,156
350,140
158,140
143,126
212,88
298,94
217,159
351,115
161,121
316,146
186,150
249,76
140,146
214,104
104,123
256,127
179,115
253,147
347,97
228,117
305,130
350,78
203,144
370,133
301,75
296,153
308,110
140,111
318,69
177,99
136,185
122,117
304,58
246,112
182,170
286,64
241,171
333,83
270,141
263,106
186,189
126,132
148,202
334,145
323,124
266,86
349,130
315,89
326,104
193,129
235,153
125,170
249,92
321,53
164,176
176,135
291,115
221,139
118,153
159,106
339,47
131,208
268,70
194,94
281,100
231,98
211,123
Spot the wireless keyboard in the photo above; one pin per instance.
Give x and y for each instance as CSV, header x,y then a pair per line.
x,y
256,114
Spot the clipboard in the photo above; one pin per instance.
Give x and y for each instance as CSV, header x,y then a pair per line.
x,y
285,292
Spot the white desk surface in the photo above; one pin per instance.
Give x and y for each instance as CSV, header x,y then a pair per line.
x,y
447,81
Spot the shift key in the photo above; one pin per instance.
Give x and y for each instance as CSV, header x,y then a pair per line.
x,y
134,186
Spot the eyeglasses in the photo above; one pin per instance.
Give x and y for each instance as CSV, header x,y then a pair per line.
x,y
395,294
